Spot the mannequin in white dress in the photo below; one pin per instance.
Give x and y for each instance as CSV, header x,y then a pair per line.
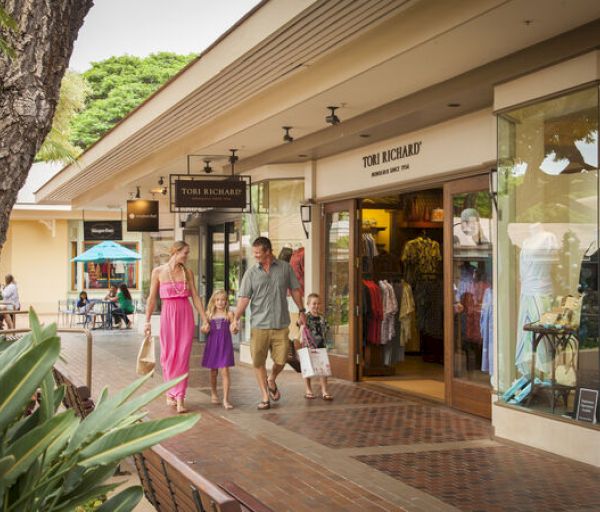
x,y
539,254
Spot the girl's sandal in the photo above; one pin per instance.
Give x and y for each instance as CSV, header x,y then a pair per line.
x,y
227,405
327,397
215,400
264,405
309,396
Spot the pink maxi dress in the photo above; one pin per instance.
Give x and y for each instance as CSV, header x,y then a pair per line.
x,y
176,334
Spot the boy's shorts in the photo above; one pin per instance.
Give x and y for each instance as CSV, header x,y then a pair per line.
x,y
263,340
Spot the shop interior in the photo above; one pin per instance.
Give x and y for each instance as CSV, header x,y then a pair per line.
x,y
402,290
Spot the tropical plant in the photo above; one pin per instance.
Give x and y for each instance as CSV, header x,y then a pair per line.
x,y
53,461
57,147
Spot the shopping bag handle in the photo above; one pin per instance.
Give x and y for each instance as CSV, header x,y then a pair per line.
x,y
307,338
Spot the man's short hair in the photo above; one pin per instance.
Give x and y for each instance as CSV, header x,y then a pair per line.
x,y
264,243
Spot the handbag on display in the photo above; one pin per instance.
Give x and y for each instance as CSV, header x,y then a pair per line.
x,y
314,362
566,374
146,360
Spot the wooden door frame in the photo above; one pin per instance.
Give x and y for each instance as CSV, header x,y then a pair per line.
x,y
342,366
459,393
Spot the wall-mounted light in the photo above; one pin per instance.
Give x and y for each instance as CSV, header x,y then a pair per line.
x,y
305,216
161,189
207,168
286,136
332,118
138,194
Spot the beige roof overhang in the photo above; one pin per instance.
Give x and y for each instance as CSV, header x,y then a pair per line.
x,y
376,52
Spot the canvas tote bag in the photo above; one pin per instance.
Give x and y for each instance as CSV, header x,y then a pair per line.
x,y
146,360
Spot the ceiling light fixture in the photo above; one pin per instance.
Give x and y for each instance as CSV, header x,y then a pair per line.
x,y
232,160
138,194
332,118
287,137
207,168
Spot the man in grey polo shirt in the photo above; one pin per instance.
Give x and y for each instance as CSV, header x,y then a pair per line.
x,y
264,286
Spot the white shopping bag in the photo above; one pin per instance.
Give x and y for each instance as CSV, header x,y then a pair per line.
x,y
314,362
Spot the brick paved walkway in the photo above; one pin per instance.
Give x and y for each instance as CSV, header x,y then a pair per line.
x,y
368,450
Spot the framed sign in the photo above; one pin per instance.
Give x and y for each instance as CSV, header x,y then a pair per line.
x,y
587,405
102,230
142,215
193,193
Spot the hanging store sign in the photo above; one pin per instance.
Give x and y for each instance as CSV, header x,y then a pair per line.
x,y
195,193
390,156
142,215
102,230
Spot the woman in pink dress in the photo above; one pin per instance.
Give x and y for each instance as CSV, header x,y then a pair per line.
x,y
175,284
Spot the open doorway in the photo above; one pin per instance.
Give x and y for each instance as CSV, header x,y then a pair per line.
x,y
402,291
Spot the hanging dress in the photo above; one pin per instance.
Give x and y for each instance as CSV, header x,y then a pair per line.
x,y
176,334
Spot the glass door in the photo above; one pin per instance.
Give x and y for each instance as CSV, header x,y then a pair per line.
x,y
338,239
468,295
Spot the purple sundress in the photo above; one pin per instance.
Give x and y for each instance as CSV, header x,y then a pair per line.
x,y
218,352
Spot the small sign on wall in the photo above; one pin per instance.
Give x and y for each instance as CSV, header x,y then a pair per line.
x,y
142,215
587,405
102,230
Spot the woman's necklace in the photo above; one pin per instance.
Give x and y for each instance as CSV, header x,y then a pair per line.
x,y
178,291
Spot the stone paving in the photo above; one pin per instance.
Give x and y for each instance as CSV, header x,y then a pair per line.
x,y
370,449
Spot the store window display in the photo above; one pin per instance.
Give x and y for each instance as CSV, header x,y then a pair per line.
x,y
547,252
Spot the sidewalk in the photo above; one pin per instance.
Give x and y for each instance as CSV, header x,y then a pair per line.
x,y
368,450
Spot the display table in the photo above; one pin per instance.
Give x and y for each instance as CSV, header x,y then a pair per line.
x,y
557,338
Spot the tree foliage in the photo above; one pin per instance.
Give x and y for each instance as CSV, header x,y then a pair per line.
x,y
57,147
118,85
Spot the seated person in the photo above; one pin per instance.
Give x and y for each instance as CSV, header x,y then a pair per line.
x,y
6,317
85,305
125,307
112,294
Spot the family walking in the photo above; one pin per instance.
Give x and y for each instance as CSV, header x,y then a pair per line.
x,y
264,288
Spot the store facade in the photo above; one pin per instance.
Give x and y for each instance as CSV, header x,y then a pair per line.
x,y
441,162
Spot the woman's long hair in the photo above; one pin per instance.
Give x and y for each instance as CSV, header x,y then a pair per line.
x,y
125,291
211,309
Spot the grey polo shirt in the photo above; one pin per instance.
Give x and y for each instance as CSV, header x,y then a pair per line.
x,y
267,292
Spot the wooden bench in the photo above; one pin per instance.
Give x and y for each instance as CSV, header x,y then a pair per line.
x,y
170,485
77,395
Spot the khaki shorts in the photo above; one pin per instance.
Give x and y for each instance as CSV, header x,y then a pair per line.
x,y
263,340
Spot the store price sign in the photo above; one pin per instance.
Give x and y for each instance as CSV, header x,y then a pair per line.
x,y
587,405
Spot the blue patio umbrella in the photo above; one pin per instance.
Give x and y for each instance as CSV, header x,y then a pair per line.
x,y
107,251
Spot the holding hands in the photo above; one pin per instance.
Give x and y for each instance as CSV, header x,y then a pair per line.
x,y
205,328
234,327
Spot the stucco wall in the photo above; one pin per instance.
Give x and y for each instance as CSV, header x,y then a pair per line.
x,y
39,262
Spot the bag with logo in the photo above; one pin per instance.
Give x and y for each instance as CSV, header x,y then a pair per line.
x,y
314,362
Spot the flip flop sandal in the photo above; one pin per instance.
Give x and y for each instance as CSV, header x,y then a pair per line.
x,y
309,396
273,392
327,397
262,406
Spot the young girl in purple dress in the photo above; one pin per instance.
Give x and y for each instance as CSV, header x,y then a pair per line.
x,y
218,352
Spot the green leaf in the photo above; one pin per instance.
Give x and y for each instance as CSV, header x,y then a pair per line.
x,y
47,397
36,328
14,350
115,409
5,463
80,478
125,501
22,378
121,443
31,445
83,498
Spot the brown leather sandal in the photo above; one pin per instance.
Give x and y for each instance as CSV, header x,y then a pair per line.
x,y
264,405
